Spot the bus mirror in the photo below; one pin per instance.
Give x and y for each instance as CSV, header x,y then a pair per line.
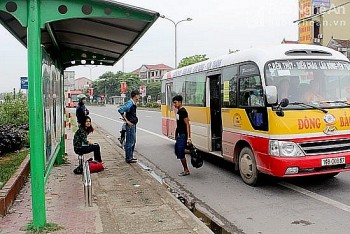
x,y
271,95
284,102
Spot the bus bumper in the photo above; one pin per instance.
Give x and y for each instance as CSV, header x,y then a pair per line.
x,y
305,166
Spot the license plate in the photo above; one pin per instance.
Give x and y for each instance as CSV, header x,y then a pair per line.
x,y
332,161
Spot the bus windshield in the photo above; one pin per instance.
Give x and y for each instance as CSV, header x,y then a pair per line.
x,y
323,83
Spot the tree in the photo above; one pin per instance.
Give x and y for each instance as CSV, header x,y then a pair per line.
x,y
192,59
109,83
153,89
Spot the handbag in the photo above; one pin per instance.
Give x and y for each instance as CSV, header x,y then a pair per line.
x,y
95,166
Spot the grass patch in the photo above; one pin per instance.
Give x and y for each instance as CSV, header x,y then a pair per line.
x,y
9,163
48,228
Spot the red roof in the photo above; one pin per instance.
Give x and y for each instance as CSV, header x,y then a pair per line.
x,y
159,67
154,67
342,43
289,42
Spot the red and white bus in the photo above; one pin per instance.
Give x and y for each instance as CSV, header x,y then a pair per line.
x,y
72,98
242,110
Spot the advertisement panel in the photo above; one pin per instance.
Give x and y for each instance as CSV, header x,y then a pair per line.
x,y
53,115
305,32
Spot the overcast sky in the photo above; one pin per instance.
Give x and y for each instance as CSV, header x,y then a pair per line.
x,y
217,27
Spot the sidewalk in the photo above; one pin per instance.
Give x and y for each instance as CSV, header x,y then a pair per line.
x,y
126,199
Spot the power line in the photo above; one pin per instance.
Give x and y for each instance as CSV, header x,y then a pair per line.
x,y
321,13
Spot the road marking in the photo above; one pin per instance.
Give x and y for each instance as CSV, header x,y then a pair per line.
x,y
317,196
138,128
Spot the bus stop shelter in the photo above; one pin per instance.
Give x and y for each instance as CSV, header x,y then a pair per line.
x,y
59,34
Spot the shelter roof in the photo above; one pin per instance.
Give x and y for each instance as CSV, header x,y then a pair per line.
x,y
81,32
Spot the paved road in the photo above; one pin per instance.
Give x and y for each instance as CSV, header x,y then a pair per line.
x,y
285,206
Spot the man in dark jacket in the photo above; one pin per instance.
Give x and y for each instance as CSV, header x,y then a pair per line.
x,y
81,110
128,112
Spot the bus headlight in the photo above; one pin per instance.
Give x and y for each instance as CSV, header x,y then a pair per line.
x,y
284,149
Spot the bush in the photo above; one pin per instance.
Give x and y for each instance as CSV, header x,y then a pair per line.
x,y
14,110
152,105
11,138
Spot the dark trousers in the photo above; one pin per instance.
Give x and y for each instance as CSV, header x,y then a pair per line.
x,y
91,148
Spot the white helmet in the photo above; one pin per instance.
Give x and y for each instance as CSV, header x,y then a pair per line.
x,y
81,97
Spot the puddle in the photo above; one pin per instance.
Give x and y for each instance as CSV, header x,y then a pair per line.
x,y
210,223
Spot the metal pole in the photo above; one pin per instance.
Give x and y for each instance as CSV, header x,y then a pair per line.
x,y
176,45
36,116
175,25
105,92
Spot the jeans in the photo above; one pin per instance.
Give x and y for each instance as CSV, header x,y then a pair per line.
x,y
180,146
130,142
91,148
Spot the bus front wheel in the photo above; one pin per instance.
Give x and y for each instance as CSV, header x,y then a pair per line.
x,y
247,167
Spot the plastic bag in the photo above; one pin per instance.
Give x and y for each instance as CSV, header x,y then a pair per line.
x,y
196,157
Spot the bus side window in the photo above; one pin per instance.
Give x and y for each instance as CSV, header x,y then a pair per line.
x,y
229,87
250,91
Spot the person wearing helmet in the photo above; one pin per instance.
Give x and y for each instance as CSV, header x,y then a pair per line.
x,y
81,110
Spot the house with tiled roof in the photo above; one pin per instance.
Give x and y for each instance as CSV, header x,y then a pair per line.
x,y
284,41
152,73
340,45
82,83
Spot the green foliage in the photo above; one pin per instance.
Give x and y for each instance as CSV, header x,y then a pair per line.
x,y
48,228
150,105
192,60
109,83
153,89
10,163
14,110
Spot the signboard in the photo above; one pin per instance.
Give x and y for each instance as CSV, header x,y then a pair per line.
x,y
91,92
143,90
305,32
24,82
321,3
304,8
123,87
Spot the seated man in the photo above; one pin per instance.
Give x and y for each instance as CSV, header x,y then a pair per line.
x,y
313,95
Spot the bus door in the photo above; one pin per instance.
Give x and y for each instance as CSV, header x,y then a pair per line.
x,y
215,111
170,113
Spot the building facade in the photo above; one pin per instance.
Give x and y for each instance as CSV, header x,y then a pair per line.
x,y
321,21
152,73
69,77
82,83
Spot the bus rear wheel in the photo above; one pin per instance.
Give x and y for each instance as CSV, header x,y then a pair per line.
x,y
247,167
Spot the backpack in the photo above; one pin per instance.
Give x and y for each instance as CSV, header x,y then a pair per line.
x,y
196,157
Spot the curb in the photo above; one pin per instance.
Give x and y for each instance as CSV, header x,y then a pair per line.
x,y
11,189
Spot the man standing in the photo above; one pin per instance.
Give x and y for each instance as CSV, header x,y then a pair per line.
x,y
182,133
81,110
128,112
